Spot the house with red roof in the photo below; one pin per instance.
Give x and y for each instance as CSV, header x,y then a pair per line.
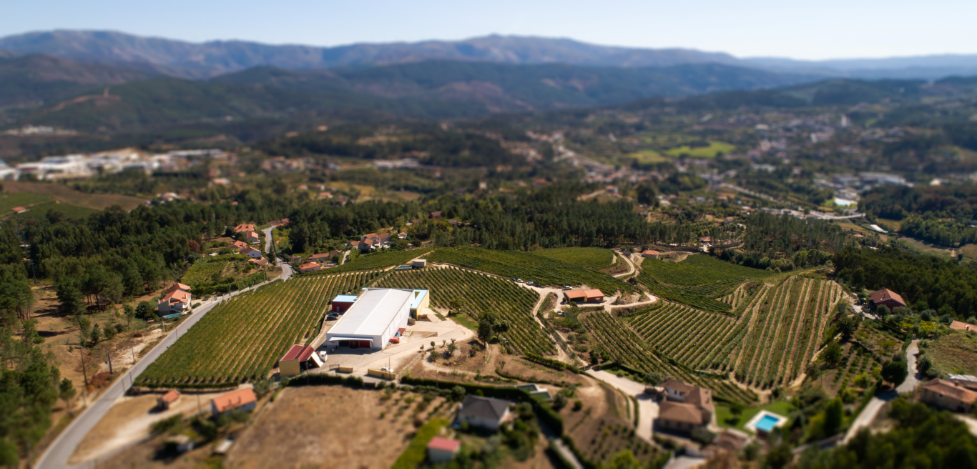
x,y
886,297
440,449
243,399
244,228
250,252
310,267
253,238
176,300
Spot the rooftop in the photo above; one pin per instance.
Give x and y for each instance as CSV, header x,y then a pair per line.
x,y
344,299
235,399
418,298
444,444
372,312
484,407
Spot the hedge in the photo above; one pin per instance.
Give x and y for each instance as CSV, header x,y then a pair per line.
x,y
323,378
551,363
416,452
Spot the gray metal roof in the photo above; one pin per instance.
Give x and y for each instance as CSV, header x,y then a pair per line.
x,y
484,407
373,311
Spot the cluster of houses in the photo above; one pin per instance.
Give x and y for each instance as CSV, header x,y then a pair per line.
x,y
372,242
318,261
245,247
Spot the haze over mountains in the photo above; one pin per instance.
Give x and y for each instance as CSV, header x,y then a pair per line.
x,y
209,59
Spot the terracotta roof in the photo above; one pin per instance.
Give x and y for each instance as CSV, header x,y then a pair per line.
x,y
18,209
253,234
650,252
244,227
233,400
594,294
319,256
239,244
950,389
484,407
309,265
680,412
444,444
178,286
170,397
575,294
176,296
298,352
962,326
680,386
885,294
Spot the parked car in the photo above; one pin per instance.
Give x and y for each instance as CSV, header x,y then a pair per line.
x,y
568,287
530,283
519,280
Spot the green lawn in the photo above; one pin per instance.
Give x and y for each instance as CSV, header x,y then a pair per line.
x,y
19,199
648,156
725,418
711,151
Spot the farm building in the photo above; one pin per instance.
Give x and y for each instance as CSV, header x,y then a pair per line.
x,y
310,267
166,400
584,296
342,303
948,395
441,449
650,254
175,301
419,263
419,303
243,399
298,358
375,318
887,297
484,412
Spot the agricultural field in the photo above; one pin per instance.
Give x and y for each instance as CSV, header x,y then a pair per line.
x,y
700,281
528,266
477,294
43,211
611,438
711,151
65,194
241,339
628,348
955,353
20,199
783,329
767,345
589,258
378,260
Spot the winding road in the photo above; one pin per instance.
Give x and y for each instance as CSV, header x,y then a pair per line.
x,y
871,410
57,454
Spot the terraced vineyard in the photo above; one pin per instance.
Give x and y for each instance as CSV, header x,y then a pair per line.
x,y
627,347
767,345
588,258
202,271
784,331
480,294
241,339
528,266
697,281
378,260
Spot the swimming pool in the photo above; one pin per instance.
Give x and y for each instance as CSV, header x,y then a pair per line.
x,y
767,423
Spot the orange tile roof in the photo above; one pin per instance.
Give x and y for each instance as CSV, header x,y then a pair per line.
x,y
170,397
575,294
594,293
235,399
444,444
886,294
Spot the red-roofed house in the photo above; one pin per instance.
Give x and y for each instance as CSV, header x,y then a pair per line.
x,y
244,228
175,301
887,297
441,449
243,399
239,245
685,408
253,238
19,209
250,252
298,358
310,267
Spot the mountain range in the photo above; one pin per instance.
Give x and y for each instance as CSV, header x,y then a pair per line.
x,y
205,60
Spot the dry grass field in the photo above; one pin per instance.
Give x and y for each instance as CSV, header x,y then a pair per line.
x,y
65,194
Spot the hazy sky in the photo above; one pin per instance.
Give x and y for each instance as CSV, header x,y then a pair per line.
x,y
745,28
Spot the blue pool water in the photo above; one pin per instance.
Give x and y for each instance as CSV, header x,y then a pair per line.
x,y
767,423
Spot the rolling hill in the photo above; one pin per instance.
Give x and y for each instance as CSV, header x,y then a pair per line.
x,y
39,79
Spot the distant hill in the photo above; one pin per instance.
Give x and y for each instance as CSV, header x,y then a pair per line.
x,y
39,79
209,59
201,60
428,89
519,88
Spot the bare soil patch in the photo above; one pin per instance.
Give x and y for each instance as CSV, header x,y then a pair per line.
x,y
332,426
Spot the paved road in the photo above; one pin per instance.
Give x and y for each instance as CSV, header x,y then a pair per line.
x,y
56,456
268,238
871,410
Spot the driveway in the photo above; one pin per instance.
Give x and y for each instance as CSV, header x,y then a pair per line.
x,y
647,407
56,456
871,410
